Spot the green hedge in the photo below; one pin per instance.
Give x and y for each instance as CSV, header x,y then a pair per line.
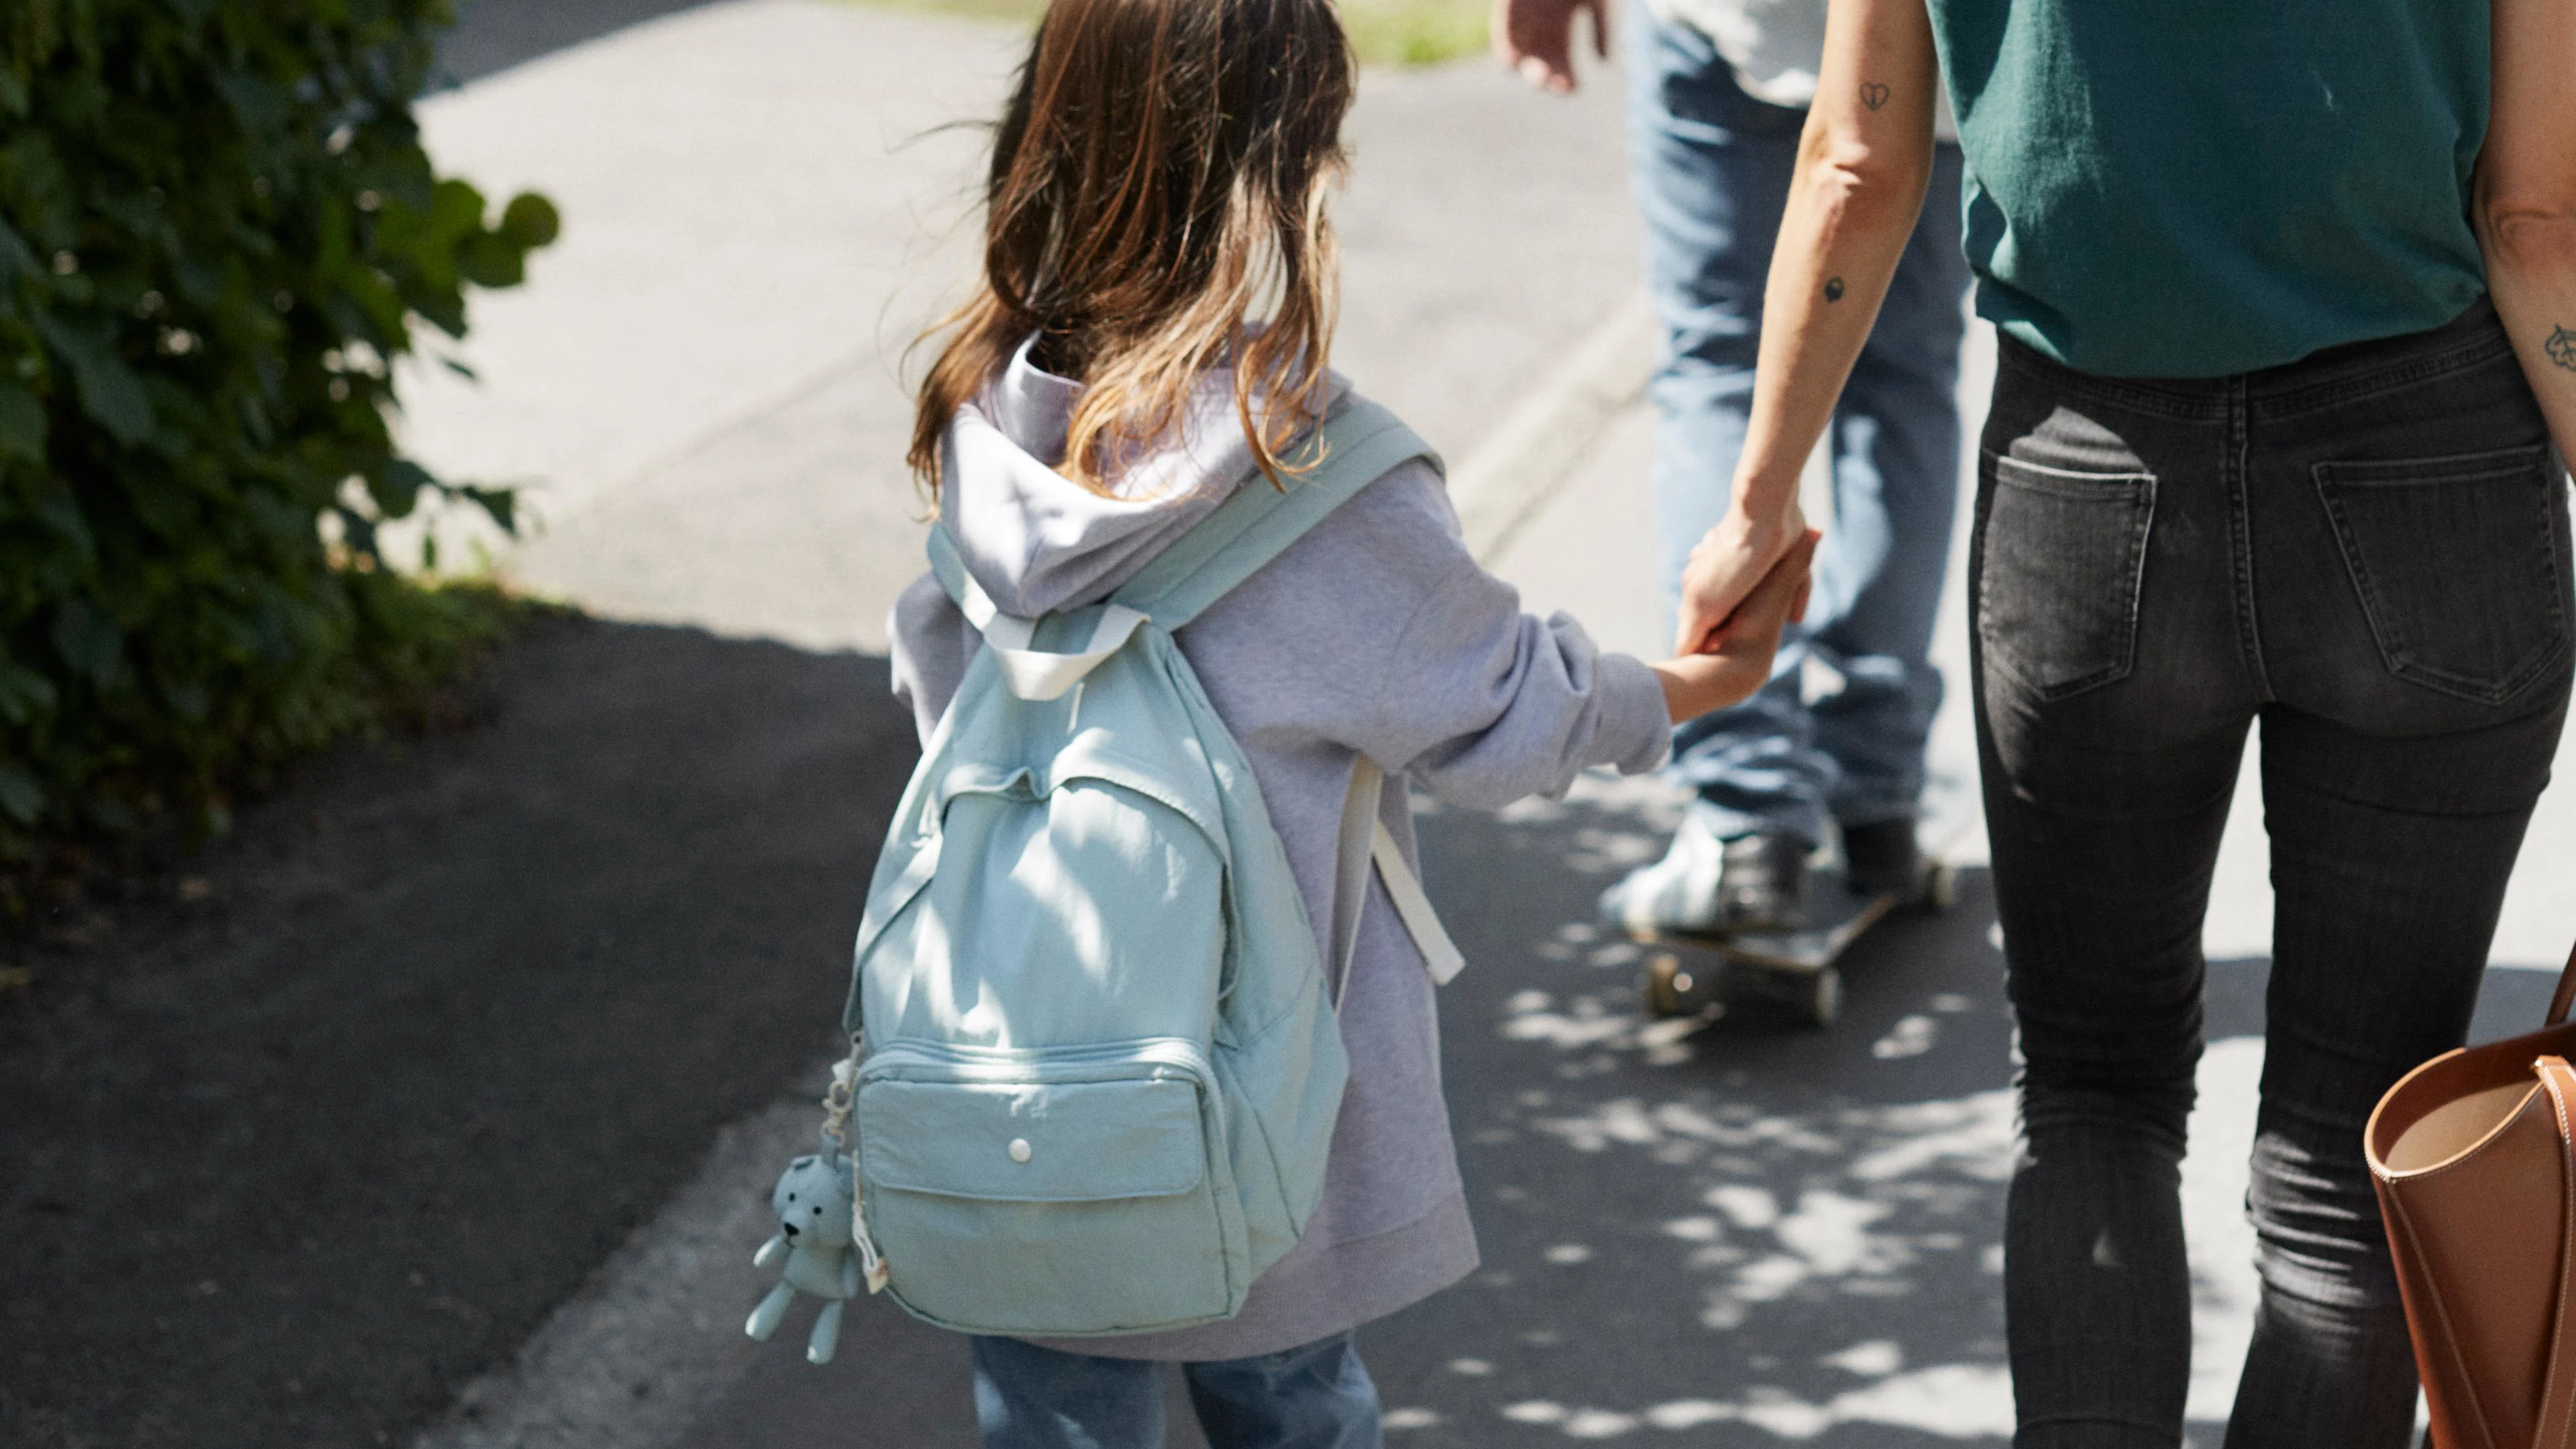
x,y
218,231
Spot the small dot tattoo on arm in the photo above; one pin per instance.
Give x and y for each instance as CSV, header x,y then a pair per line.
x,y
1834,293
2562,348
1874,94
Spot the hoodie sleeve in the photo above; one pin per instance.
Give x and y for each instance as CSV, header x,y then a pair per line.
x,y
1379,631
929,645
1485,704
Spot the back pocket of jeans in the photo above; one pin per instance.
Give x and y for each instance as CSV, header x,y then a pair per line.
x,y
2457,565
2064,556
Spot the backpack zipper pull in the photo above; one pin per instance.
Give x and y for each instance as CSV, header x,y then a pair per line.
x,y
872,1268
837,1103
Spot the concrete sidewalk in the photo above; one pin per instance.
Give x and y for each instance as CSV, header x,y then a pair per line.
x,y
1797,1236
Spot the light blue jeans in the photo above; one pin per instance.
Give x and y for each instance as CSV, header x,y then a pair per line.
x,y
1712,172
1315,1397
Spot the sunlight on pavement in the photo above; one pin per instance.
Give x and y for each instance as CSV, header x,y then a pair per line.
x,y
2223,1285
1845,1201
1795,1205
1955,1401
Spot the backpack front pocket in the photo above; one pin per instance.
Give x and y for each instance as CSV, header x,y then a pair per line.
x,y
1053,1208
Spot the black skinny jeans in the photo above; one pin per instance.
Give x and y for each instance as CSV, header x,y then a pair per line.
x,y
2367,551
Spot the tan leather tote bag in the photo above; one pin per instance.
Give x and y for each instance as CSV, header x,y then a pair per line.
x,y
2475,1163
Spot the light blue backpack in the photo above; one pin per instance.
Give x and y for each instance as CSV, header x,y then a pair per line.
x,y
1101,1066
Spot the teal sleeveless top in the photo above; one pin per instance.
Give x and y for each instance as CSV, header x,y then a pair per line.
x,y
2191,188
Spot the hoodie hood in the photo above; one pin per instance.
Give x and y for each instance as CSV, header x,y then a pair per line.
x,y
1039,542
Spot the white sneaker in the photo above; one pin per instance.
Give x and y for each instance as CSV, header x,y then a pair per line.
x,y
1706,886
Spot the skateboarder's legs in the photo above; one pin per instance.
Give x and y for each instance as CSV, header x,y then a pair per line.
x,y
1844,741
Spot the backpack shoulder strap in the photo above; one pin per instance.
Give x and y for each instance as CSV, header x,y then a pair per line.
x,y
1350,450
1364,842
1030,672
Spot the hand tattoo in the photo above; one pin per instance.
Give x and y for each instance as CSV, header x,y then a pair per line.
x,y
2562,348
1834,293
1873,95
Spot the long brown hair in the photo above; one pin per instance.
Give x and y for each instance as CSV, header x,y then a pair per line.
x,y
1158,176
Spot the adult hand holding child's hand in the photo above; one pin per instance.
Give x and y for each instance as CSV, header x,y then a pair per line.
x,y
1738,660
1729,565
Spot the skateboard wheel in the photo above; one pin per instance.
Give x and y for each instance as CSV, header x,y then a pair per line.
x,y
1665,983
1941,890
1824,997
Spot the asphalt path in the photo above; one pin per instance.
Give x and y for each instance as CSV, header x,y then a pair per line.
x,y
493,35
291,1159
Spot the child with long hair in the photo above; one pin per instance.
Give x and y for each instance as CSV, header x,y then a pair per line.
x,y
1150,334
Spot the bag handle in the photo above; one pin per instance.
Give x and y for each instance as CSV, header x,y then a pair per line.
x,y
2558,1389
2565,996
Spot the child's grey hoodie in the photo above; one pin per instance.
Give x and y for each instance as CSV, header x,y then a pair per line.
x,y
1376,633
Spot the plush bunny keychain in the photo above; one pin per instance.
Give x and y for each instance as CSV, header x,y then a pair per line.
x,y
822,1238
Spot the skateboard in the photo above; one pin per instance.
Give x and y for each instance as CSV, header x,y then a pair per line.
x,y
1691,974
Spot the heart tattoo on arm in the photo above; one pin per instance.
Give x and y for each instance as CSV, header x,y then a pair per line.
x,y
1873,94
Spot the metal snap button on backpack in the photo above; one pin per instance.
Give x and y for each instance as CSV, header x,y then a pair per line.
x,y
1020,1149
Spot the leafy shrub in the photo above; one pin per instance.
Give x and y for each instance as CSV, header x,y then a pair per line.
x,y
218,230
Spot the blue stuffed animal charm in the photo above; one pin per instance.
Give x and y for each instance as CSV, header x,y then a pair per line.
x,y
816,1202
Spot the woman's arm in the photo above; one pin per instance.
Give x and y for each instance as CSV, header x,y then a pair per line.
x,y
2526,200
1863,162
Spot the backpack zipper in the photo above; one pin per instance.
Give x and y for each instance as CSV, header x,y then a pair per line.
x,y
938,1063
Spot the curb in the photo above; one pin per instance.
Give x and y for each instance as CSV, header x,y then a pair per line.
x,y
1551,432
640,1355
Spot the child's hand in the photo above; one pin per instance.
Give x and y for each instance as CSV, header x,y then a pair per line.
x,y
1694,684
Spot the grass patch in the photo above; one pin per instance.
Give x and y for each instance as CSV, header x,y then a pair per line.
x,y
1384,32
1416,32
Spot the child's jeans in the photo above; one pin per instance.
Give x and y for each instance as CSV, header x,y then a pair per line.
x,y
1315,1397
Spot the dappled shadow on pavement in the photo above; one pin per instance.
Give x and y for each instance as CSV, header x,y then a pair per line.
x,y
1752,1232
456,1013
